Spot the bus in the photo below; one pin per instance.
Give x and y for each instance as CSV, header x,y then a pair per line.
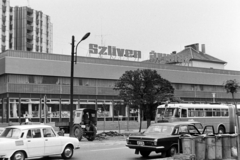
x,y
221,116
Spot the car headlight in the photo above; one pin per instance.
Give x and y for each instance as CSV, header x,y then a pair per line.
x,y
155,142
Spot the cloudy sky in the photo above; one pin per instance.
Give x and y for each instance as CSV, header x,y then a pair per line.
x,y
145,25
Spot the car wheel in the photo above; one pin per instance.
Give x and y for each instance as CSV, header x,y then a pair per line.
x,y
145,153
92,135
172,151
221,130
67,152
19,155
78,132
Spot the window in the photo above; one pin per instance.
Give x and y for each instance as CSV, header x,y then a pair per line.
x,y
192,129
208,113
191,112
184,113
216,112
48,132
50,80
34,133
224,112
183,129
199,112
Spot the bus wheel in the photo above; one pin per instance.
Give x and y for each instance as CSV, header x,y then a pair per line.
x,y
221,130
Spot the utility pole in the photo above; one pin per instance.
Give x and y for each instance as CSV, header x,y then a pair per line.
x,y
71,87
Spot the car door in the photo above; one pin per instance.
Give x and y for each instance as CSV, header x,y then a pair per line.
x,y
35,143
52,143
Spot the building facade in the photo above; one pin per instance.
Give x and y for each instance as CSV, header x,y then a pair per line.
x,y
30,82
23,28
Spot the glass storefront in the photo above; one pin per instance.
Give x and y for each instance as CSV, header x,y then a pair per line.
x,y
57,109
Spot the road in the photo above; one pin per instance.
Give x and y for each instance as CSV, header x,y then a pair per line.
x,y
98,150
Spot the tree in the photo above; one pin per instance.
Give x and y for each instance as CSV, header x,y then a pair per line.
x,y
144,89
232,86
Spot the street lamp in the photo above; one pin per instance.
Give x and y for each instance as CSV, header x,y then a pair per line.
x,y
71,82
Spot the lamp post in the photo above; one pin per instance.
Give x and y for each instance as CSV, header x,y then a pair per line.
x,y
71,82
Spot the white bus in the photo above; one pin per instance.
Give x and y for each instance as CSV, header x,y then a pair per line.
x,y
218,115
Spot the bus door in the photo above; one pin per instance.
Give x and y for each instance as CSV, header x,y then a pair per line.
x,y
183,114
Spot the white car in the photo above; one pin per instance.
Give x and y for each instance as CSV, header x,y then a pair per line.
x,y
35,141
1,130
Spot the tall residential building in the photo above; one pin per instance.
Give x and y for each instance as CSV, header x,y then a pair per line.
x,y
23,28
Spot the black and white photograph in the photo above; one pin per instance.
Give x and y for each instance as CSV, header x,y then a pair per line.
x,y
120,79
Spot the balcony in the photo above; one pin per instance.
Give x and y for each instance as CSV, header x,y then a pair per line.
x,y
29,37
37,39
4,8
3,38
3,18
29,28
3,28
29,19
29,11
37,30
29,46
37,48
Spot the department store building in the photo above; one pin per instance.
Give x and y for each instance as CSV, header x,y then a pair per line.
x,y
30,80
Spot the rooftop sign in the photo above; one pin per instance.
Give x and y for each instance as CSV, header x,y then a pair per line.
x,y
113,51
169,58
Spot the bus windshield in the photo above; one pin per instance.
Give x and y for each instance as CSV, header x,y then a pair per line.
x,y
169,112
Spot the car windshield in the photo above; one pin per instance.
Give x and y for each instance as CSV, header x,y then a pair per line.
x,y
11,133
159,130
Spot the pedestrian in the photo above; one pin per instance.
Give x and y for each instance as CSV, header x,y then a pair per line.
x,y
26,119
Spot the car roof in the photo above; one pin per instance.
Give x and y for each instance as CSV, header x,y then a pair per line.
x,y
29,126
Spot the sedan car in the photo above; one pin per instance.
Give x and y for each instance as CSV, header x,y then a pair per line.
x,y
34,141
161,138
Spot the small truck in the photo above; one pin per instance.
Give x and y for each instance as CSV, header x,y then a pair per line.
x,y
84,124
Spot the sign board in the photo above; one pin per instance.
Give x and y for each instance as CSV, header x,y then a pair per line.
x,y
168,58
113,51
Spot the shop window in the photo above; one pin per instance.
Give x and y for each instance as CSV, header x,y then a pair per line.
x,y
31,79
50,80
80,82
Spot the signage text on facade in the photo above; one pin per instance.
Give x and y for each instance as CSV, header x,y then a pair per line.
x,y
113,51
168,58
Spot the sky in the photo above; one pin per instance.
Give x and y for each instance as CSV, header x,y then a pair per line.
x,y
162,26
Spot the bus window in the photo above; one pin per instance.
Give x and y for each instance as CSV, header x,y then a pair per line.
x,y
169,112
216,112
184,113
177,112
191,112
199,112
208,112
160,112
224,112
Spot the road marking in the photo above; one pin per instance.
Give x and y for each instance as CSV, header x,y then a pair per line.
x,y
108,149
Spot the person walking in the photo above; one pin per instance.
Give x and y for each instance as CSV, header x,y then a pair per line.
x,y
26,119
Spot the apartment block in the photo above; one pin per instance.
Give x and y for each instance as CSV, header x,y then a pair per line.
x,y
23,28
